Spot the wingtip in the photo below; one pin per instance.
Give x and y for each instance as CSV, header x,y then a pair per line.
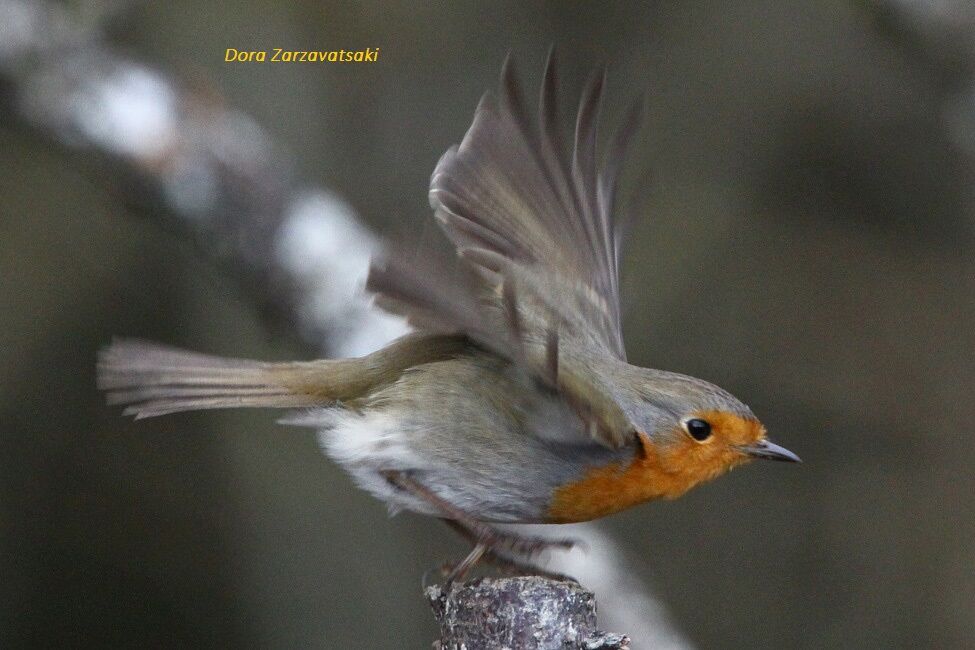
x,y
596,81
548,100
507,66
509,76
551,64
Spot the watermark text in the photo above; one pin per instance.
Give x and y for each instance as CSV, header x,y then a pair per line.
x,y
281,55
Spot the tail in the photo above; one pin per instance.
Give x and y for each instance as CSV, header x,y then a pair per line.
x,y
153,379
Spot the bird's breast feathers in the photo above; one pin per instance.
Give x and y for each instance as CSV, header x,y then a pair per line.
x,y
655,472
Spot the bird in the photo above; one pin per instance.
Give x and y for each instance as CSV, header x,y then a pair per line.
x,y
512,400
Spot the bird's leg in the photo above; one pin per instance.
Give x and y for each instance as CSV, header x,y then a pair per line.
x,y
505,563
459,570
490,543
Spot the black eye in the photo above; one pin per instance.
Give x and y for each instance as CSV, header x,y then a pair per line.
x,y
700,430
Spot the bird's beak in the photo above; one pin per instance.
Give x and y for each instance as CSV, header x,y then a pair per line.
x,y
769,451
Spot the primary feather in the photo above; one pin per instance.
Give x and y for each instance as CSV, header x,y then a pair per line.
x,y
539,248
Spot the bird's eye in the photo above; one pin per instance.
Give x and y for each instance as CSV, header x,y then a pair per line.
x,y
698,429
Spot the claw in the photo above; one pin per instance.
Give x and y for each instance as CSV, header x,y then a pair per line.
x,y
466,564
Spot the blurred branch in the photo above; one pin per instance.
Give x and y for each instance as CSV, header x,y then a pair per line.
x,y
625,601
182,156
528,613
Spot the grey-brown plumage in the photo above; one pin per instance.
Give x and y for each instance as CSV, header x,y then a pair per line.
x,y
538,229
154,379
514,400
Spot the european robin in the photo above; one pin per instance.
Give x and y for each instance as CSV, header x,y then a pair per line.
x,y
513,400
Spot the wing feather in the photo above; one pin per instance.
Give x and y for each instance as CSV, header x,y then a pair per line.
x,y
539,247
510,188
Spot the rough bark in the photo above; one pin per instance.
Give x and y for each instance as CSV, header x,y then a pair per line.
x,y
528,613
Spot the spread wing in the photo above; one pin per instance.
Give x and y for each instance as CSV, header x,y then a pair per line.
x,y
539,247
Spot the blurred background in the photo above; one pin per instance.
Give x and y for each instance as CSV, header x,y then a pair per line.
x,y
805,240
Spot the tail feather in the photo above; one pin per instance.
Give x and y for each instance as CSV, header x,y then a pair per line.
x,y
158,407
152,380
135,395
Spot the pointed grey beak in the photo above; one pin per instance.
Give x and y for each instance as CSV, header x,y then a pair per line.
x,y
770,451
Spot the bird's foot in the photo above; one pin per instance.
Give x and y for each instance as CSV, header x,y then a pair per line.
x,y
492,545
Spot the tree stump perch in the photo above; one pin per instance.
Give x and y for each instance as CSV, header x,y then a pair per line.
x,y
523,613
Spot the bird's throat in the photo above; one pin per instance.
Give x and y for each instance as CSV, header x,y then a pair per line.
x,y
611,488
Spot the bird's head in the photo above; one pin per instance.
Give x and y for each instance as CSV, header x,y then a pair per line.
x,y
689,432
697,431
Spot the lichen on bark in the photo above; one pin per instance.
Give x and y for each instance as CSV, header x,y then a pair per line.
x,y
527,613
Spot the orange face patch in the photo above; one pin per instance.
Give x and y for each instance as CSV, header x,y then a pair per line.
x,y
732,428
657,471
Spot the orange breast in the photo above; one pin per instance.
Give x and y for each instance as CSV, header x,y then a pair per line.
x,y
605,490
656,473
